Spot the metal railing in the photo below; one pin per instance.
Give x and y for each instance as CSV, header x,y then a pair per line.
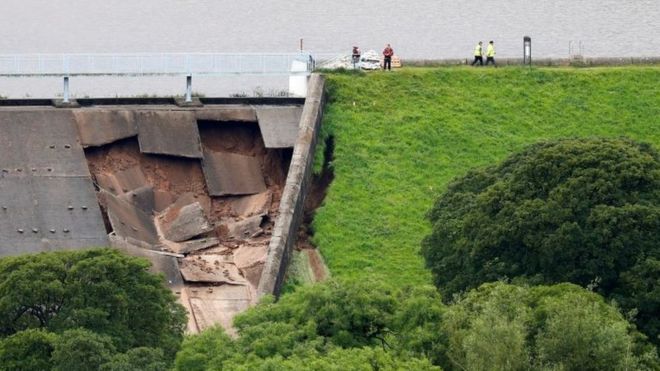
x,y
164,64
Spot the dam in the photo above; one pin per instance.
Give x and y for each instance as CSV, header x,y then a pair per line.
x,y
210,192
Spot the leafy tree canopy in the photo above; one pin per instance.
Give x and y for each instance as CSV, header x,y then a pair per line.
x,y
585,211
560,327
57,306
343,325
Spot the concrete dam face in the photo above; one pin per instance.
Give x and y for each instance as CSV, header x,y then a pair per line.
x,y
196,190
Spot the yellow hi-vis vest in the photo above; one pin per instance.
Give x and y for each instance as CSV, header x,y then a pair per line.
x,y
490,51
477,51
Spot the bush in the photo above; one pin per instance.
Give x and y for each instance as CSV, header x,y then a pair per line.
x,y
585,211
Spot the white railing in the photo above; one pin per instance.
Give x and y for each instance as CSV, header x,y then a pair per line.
x,y
143,64
214,64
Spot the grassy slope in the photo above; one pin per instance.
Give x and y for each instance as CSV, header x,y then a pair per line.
x,y
401,137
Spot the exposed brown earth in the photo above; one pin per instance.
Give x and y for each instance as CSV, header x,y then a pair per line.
x,y
229,253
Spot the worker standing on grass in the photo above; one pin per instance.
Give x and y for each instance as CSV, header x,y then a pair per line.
x,y
478,54
387,58
490,54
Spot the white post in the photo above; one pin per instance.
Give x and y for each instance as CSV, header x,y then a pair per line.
x,y
298,78
189,89
66,90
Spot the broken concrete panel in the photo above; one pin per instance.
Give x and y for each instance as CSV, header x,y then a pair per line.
x,y
169,133
196,245
250,261
253,274
128,221
258,204
160,263
210,268
211,306
242,229
122,181
142,197
188,222
232,174
231,113
279,125
99,127
249,255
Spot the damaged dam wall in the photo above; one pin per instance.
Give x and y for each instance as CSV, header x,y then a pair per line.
x,y
203,192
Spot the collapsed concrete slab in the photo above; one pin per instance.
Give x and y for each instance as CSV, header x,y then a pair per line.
x,y
196,245
184,223
258,204
232,174
242,229
142,197
129,221
100,127
250,261
172,133
160,263
279,125
122,181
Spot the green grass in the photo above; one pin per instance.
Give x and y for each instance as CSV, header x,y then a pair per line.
x,y
401,137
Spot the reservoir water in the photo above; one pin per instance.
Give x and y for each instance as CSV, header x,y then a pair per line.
x,y
421,29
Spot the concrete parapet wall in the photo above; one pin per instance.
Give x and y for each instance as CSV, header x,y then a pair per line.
x,y
600,61
297,186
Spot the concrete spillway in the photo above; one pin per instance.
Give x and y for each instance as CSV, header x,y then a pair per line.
x,y
196,190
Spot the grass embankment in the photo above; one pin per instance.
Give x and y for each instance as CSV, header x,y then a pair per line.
x,y
400,137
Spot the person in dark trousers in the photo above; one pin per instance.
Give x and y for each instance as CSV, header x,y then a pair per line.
x,y
478,54
356,56
490,54
387,57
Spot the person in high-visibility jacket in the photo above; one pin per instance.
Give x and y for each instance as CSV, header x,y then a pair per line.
x,y
478,54
490,54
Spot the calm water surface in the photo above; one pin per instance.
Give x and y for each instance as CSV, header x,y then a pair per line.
x,y
416,29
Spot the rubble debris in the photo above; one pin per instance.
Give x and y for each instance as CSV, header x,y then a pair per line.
x,y
210,269
187,222
250,261
257,204
196,245
242,229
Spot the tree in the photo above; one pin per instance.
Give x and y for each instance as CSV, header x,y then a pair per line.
x,y
137,359
502,326
336,325
81,350
100,290
496,326
28,350
577,210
